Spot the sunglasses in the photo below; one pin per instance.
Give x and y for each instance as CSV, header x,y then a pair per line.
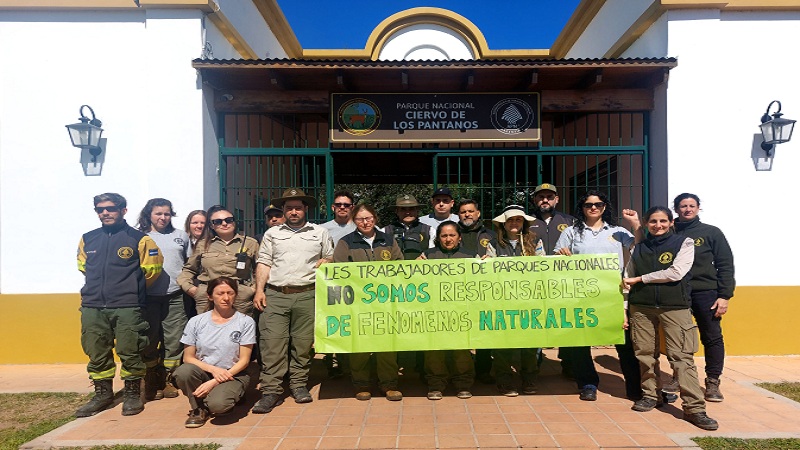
x,y
111,209
343,205
218,222
597,205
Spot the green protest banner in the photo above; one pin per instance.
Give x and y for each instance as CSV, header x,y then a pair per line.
x,y
443,304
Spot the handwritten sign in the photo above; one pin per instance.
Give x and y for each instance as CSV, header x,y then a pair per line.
x,y
469,303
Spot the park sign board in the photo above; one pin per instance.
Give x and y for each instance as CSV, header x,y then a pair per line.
x,y
447,304
431,118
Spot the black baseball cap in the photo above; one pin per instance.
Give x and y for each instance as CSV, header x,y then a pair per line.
x,y
443,191
272,209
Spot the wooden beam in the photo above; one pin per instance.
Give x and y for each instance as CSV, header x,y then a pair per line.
x,y
469,81
597,100
594,78
404,80
288,102
277,80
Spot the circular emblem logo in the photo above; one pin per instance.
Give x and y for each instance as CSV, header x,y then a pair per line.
x,y
179,241
236,336
386,255
699,241
359,117
511,116
125,252
665,258
484,242
562,227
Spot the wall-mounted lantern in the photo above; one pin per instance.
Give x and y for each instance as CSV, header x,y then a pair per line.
x,y
775,130
86,135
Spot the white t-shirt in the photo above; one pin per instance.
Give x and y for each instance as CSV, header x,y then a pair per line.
x,y
218,344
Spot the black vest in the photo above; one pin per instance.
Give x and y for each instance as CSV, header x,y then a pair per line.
x,y
412,240
651,256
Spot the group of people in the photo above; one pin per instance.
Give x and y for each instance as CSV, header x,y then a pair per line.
x,y
189,309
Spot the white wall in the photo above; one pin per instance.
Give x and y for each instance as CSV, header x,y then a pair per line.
x,y
611,22
250,24
134,69
426,42
721,87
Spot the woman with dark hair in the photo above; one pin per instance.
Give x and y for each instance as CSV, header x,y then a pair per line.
x,y
514,238
657,277
219,344
712,285
447,246
367,243
164,308
595,232
195,226
222,252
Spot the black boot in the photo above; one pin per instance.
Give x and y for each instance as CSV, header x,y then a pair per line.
x,y
132,403
103,398
152,384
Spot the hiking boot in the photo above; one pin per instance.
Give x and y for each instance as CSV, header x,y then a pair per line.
x,y
672,387
197,418
267,403
588,393
529,388
394,395
170,391
434,395
301,395
646,404
713,393
103,398
701,420
508,391
666,397
465,394
363,394
153,389
132,398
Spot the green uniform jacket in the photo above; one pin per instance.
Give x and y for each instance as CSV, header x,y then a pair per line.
x,y
713,258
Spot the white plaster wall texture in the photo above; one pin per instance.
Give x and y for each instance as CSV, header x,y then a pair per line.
x,y
611,22
426,42
134,69
652,43
245,17
717,94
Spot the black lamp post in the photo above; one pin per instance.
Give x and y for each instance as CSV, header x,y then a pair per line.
x,y
776,130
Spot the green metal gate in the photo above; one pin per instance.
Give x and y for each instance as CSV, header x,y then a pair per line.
x,y
262,154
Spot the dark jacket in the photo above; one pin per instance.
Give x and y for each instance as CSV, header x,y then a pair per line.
x,y
713,258
656,254
475,239
118,262
412,240
550,232
352,247
438,253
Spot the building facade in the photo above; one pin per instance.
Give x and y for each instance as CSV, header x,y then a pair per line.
x,y
215,101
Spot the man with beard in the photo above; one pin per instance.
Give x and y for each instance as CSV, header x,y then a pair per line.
x,y
480,241
411,235
286,265
118,263
549,223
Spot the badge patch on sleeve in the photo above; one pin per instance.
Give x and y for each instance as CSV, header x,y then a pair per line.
x,y
153,252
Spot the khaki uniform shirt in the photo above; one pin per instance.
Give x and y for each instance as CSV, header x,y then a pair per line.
x,y
218,260
293,255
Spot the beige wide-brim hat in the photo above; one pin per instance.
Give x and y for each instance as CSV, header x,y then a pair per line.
x,y
294,194
513,211
406,201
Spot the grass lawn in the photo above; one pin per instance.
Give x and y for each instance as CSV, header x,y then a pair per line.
x,y
788,390
24,417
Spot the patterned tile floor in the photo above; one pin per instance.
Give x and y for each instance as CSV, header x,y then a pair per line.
x,y
553,418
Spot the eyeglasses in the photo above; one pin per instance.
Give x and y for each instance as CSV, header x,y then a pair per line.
x,y
218,222
343,205
111,209
364,219
597,205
